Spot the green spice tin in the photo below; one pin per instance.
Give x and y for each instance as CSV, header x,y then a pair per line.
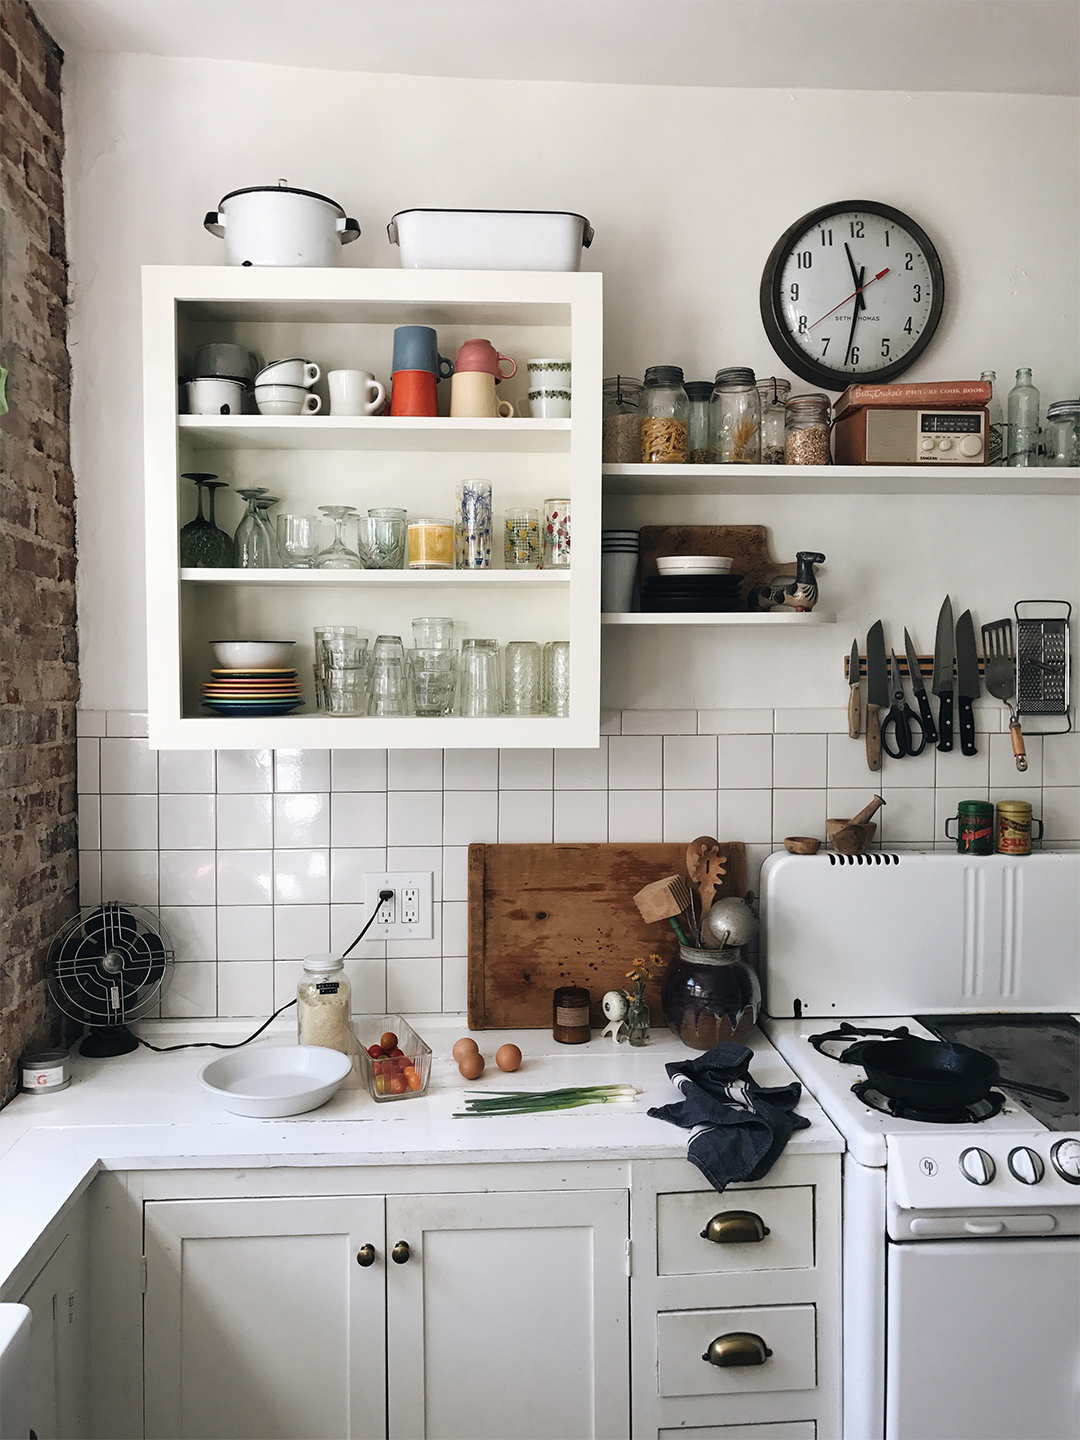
x,y
975,827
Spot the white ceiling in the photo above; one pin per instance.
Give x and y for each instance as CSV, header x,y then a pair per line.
x,y
1000,46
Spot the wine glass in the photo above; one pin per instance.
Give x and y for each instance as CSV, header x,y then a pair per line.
x,y
202,545
338,556
252,549
262,507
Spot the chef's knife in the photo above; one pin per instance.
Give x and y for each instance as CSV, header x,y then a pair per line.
x,y
968,687
877,692
918,685
854,678
942,684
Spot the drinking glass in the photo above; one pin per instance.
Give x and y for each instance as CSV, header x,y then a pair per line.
x,y
522,666
433,632
298,541
472,529
338,556
388,647
480,684
382,538
344,657
433,673
556,534
262,509
253,543
202,544
557,677
521,539
388,683
325,636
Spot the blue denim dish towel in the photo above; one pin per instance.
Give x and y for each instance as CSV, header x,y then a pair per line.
x,y
739,1128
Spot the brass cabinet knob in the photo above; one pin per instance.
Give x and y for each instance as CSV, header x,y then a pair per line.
x,y
400,1253
735,1227
738,1348
366,1255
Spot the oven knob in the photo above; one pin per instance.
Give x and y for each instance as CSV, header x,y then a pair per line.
x,y
1026,1165
977,1166
1065,1158
970,445
945,444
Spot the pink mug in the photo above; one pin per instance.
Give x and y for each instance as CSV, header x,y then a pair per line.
x,y
482,355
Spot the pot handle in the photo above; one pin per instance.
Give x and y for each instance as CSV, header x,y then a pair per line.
x,y
348,230
587,236
215,223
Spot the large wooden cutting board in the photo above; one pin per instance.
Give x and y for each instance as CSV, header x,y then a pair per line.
x,y
547,915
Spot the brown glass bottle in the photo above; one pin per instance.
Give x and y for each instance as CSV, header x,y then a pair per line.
x,y
570,1015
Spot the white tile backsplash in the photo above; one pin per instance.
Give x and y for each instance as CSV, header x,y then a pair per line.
x,y
525,769
128,767
636,815
301,820
187,877
582,769
244,772
581,817
301,770
636,762
245,822
186,772
301,877
689,762
358,770
414,817
245,932
744,762
358,818
301,930
799,761
129,822
414,769
471,769
525,817
186,822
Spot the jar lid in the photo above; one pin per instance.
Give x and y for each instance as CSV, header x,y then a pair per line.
x,y
976,807
1014,807
657,375
322,963
42,1059
734,377
698,389
812,400
1063,410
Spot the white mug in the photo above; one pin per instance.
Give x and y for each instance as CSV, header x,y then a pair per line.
x,y
355,392
549,404
289,372
213,396
286,400
549,374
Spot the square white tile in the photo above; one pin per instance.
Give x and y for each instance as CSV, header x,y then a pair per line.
x,y
348,867
1003,771
301,820
301,877
246,988
87,766
525,769
245,877
1061,759
953,769
744,762
346,922
129,822
90,722
301,930
245,772
525,817
90,877
192,929
582,769
811,721
245,822
798,812
610,722
743,815
913,772
799,761
187,877
636,816
403,858
414,986
414,817
296,771
455,870
635,762
471,769
581,817
192,992
470,817
187,822
126,723
659,722
414,769
358,770
287,975
245,932
186,772
455,927
416,948
455,984
130,876
368,980
1060,813
688,813
847,768
89,822
689,762
128,767
358,818
908,815
735,722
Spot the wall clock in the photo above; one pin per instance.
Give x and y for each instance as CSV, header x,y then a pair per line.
x,y
852,291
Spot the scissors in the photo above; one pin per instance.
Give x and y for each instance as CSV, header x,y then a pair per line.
x,y
900,719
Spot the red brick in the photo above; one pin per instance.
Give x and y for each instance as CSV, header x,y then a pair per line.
x,y
9,58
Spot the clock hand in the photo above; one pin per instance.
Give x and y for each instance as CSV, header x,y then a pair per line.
x,y
854,313
846,298
860,303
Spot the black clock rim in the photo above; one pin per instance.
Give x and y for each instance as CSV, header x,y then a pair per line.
x,y
779,338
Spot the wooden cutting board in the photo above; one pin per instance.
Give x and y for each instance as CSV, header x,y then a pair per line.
x,y
748,546
541,916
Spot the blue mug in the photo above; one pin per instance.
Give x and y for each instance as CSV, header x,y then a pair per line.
x,y
416,347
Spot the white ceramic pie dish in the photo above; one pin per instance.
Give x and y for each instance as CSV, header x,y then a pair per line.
x,y
277,1080
694,564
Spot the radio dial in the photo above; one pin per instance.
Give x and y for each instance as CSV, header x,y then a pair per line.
x,y
945,443
970,445
927,443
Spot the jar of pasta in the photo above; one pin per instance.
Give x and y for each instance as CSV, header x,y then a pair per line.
x,y
664,416
735,417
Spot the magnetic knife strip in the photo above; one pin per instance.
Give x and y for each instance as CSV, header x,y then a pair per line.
x,y
926,666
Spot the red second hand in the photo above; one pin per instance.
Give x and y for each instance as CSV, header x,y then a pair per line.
x,y
850,297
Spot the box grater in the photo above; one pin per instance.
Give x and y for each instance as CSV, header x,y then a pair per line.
x,y
1042,661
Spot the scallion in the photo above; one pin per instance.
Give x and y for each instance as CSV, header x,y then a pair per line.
x,y
536,1102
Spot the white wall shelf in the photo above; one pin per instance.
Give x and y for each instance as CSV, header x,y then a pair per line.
x,y
381,579
836,480
774,620
382,432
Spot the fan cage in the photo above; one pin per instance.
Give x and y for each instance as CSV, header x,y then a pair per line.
x,y
85,989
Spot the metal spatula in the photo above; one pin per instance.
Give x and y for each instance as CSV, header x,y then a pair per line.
x,y
1001,679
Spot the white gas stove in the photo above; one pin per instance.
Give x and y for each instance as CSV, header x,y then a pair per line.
x,y
962,1262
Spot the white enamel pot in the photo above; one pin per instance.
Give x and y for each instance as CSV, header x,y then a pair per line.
x,y
280,225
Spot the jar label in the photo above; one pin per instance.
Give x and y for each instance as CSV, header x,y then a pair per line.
x,y
328,987
43,1079
976,837
1014,837
571,1015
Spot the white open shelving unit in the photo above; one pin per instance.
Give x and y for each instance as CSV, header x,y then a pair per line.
x,y
837,480
346,318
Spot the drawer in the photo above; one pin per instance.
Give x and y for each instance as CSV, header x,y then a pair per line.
x,y
786,1212
684,1336
778,1430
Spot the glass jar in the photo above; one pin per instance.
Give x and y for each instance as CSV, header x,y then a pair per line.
x,y
1061,437
735,417
621,443
570,1015
431,544
664,416
999,435
806,425
698,393
772,395
324,1003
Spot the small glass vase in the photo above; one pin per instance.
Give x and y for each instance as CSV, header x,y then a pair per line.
x,y
637,1019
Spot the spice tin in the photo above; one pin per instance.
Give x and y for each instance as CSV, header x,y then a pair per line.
x,y
570,1015
1014,824
44,1071
975,827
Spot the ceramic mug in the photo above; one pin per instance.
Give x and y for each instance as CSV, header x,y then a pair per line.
x,y
549,374
211,396
549,404
413,393
416,347
482,355
472,392
286,400
289,372
226,361
355,392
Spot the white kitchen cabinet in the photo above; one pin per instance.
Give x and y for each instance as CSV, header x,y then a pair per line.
x,y
58,1300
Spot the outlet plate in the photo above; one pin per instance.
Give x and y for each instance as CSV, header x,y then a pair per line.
x,y
410,910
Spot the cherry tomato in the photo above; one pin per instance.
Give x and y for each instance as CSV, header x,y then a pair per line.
x,y
375,1051
396,1051
413,1080
380,1084
397,1085
389,1041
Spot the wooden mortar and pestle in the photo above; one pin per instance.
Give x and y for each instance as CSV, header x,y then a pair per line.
x,y
851,837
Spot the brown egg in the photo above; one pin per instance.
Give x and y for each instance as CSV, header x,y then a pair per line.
x,y
508,1057
471,1065
465,1046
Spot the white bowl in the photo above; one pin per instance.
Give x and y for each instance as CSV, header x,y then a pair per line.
x,y
694,564
279,1080
252,654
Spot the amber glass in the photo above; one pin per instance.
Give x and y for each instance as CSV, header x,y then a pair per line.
x,y
570,1015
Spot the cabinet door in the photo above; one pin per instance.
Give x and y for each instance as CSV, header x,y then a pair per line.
x,y
57,1361
509,1321
260,1323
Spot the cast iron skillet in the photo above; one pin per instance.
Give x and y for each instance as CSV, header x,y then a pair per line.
x,y
933,1075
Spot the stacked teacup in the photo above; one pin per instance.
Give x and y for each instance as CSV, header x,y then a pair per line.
x,y
477,370
618,569
417,369
223,374
549,389
284,388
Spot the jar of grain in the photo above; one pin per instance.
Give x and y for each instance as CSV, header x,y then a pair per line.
x,y
664,416
773,394
621,443
324,1003
806,422
735,417
698,393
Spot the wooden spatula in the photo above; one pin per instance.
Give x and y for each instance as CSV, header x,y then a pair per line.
x,y
706,867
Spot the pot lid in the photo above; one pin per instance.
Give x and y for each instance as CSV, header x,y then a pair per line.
x,y
282,188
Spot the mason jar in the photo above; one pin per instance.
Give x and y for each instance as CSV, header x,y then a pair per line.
x,y
621,434
698,394
806,424
773,394
735,417
324,1003
1061,434
664,416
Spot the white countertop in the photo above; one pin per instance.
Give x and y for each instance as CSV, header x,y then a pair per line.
x,y
146,1111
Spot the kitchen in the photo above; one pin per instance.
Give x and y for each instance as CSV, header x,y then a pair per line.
x,y
741,734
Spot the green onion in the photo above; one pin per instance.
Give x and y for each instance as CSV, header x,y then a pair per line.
x,y
535,1102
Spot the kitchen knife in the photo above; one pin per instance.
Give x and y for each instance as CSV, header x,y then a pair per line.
x,y
918,685
968,687
853,676
877,692
942,684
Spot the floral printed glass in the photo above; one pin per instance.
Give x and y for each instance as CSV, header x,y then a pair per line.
x,y
556,534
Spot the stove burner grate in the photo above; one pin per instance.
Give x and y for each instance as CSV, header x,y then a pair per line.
x,y
966,1115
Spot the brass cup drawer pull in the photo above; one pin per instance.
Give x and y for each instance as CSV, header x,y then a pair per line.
x,y
738,1348
400,1252
365,1256
735,1227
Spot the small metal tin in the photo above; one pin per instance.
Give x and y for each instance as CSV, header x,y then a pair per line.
x,y
1014,824
44,1071
975,827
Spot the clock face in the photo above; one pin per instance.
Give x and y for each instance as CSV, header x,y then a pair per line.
x,y
851,292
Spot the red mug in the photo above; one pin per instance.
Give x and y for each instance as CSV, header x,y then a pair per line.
x,y
413,393
482,355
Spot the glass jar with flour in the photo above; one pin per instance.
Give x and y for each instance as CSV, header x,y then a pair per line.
x,y
324,1003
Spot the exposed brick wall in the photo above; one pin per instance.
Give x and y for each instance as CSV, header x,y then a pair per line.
x,y
38,675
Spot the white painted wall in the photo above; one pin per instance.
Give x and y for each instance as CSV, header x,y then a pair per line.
x,y
688,190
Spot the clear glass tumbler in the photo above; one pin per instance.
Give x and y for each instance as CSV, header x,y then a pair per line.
x,y
522,665
382,539
345,662
557,677
433,632
298,541
472,526
556,534
326,635
388,682
433,673
480,681
521,539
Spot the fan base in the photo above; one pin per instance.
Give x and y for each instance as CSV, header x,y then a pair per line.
x,y
109,1040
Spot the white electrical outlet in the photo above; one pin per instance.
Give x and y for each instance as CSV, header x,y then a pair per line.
x,y
408,915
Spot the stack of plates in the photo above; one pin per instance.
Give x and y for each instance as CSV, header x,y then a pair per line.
x,y
692,592
253,692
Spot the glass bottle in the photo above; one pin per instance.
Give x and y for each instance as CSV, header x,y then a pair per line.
x,y
664,416
806,424
773,394
1023,413
621,443
698,393
324,1003
202,545
998,437
1061,438
252,548
735,417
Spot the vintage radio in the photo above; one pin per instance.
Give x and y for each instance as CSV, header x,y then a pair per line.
x,y
895,436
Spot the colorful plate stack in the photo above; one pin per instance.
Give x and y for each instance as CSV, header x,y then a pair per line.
x,y
253,692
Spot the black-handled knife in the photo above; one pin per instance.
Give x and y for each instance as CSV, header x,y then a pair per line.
x,y
919,687
968,685
942,684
